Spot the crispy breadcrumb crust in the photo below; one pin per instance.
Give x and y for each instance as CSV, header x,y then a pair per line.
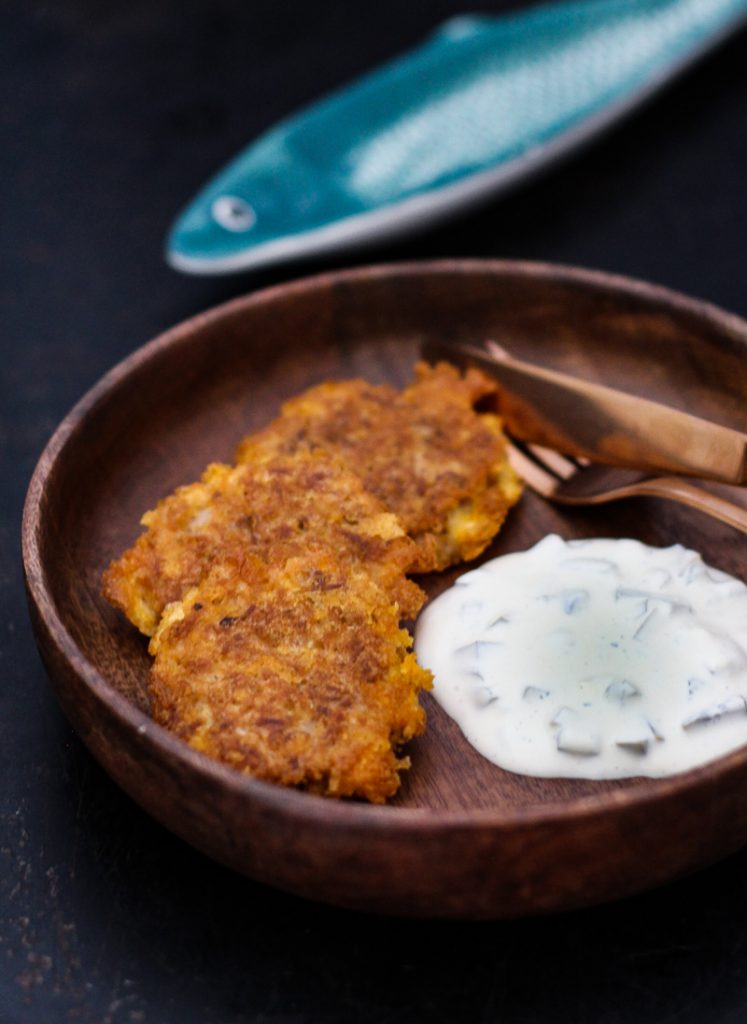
x,y
425,452
297,674
271,508
273,590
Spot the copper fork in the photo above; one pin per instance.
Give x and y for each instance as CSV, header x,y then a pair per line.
x,y
571,481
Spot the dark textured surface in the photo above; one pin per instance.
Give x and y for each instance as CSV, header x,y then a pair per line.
x,y
111,116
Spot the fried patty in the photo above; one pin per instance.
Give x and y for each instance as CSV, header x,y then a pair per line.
x,y
297,674
273,590
274,508
425,452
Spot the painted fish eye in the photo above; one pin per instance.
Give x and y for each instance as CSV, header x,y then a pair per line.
x,y
233,213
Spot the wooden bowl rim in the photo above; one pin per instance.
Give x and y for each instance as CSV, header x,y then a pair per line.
x,y
289,802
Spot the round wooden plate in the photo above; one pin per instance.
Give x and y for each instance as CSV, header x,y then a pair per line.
x,y
463,838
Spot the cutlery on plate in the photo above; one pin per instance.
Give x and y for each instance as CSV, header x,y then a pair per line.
x,y
563,480
582,418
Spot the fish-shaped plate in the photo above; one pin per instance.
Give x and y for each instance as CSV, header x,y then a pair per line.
x,y
483,104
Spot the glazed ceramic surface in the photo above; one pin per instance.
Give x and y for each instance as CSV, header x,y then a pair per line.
x,y
483,103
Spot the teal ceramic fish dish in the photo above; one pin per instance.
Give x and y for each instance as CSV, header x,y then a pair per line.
x,y
484,103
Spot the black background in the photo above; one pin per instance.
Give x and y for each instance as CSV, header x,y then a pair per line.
x,y
111,115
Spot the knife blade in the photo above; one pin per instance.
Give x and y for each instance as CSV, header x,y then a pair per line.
x,y
581,418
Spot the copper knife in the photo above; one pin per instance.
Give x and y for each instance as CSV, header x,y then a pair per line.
x,y
581,418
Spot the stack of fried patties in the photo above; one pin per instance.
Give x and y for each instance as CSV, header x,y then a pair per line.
x,y
274,589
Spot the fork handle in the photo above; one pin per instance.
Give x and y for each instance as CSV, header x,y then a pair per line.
x,y
676,489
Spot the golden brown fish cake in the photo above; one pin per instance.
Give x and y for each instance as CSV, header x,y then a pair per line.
x,y
274,508
425,452
297,674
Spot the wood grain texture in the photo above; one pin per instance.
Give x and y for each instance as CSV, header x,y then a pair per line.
x,y
463,838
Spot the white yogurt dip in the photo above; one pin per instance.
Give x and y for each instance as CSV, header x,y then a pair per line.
x,y
594,659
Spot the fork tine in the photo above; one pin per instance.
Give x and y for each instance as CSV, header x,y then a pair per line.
x,y
535,475
561,466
